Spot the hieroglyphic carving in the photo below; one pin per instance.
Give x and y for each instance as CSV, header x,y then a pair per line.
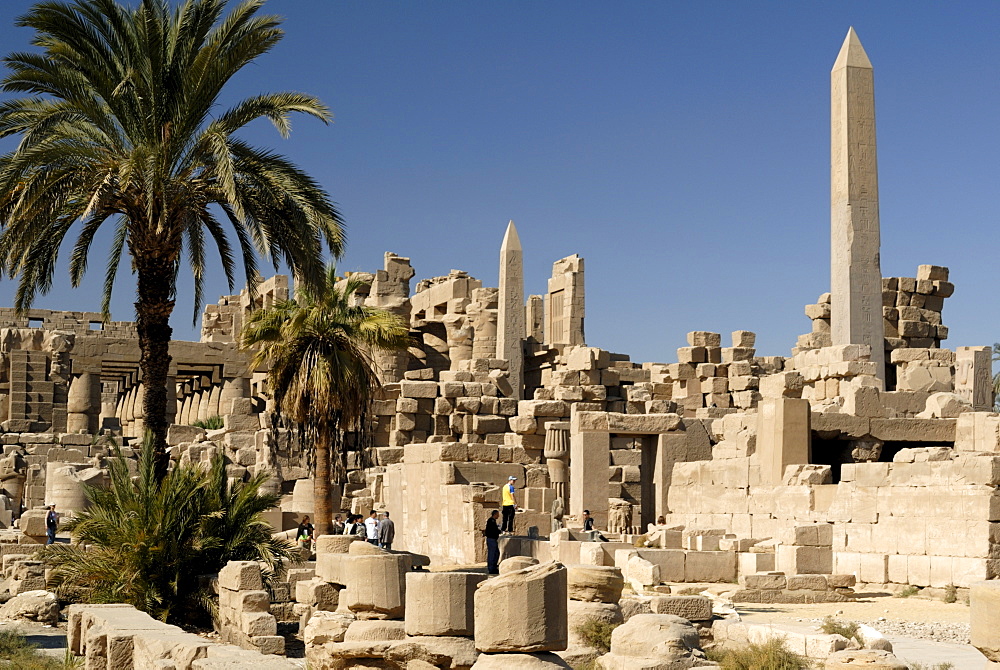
x,y
974,377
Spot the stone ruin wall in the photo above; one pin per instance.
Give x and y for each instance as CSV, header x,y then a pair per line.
x,y
684,439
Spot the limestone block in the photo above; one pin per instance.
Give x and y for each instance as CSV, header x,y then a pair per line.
x,y
710,566
322,595
944,406
594,583
154,649
984,615
38,606
326,627
376,583
807,583
375,631
765,581
32,522
241,576
869,659
523,610
692,608
744,338
537,661
804,560
258,623
441,603
666,638
642,573
515,563
418,389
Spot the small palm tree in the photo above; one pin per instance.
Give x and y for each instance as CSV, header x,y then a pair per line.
x,y
119,130
318,350
149,539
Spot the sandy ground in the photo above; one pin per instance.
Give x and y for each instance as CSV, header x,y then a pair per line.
x,y
905,610
865,609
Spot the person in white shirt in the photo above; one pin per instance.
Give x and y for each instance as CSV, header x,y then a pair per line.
x,y
371,528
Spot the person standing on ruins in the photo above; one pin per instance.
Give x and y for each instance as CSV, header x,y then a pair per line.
x,y
305,533
371,528
509,506
337,528
588,521
51,524
386,532
492,533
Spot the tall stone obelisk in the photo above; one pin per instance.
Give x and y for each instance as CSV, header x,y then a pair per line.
x,y
855,271
510,313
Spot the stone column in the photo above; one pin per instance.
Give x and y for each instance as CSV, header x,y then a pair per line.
x,y
233,388
214,400
510,310
172,404
81,410
974,377
589,457
557,457
391,291
139,412
855,270
783,436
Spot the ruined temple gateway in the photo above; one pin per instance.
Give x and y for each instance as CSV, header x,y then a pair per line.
x,y
869,451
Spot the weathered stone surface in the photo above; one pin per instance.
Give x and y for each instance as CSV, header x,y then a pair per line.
x,y
441,603
594,583
515,563
374,631
40,606
659,640
536,661
326,627
240,576
870,659
523,610
984,615
510,312
376,583
692,608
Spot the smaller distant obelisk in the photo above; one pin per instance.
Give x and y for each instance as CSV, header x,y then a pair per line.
x,y
855,269
510,315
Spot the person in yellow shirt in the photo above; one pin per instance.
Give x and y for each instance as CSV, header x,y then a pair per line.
x,y
509,504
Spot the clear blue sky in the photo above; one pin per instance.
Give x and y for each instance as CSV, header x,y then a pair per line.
x,y
681,148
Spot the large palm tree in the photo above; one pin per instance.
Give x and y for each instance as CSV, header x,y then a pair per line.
x,y
318,348
120,129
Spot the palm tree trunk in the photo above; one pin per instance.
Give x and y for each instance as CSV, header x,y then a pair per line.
x,y
322,503
155,279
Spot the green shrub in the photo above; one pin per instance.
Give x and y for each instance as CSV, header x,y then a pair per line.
x,y
17,652
907,592
771,655
211,423
848,629
597,633
950,593
148,540
936,666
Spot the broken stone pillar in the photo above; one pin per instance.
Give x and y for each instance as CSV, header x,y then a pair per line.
x,y
441,603
855,270
233,388
652,641
376,582
510,314
523,611
557,457
565,303
390,291
460,333
783,436
138,411
590,448
482,312
83,403
974,377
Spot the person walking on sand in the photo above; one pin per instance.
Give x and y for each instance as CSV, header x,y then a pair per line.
x,y
509,503
492,533
386,532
